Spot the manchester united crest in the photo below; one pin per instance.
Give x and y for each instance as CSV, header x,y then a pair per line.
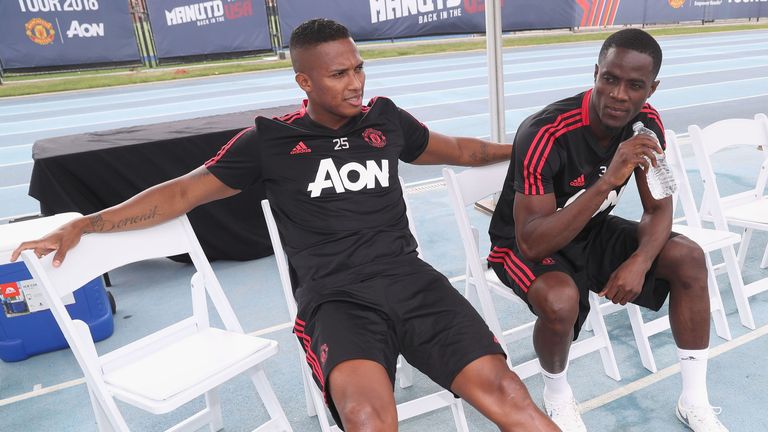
x,y
40,31
677,4
374,137
323,353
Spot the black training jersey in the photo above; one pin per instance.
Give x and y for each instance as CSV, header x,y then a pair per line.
x,y
556,152
335,194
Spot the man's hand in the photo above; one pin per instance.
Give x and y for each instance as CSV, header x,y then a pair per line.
x,y
626,282
629,155
61,240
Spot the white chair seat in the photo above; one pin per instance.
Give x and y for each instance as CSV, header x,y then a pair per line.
x,y
708,239
755,212
160,376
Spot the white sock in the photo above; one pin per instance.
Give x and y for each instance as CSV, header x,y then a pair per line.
x,y
556,387
693,370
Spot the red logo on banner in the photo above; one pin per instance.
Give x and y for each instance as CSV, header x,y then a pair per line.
x,y
40,31
600,12
477,6
238,9
10,290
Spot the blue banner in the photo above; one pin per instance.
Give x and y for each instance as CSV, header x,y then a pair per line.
x,y
385,19
39,33
391,19
538,14
196,27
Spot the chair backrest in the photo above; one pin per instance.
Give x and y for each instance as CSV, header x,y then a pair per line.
x,y
282,260
98,254
684,194
466,188
721,135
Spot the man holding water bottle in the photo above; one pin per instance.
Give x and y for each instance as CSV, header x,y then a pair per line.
x,y
553,238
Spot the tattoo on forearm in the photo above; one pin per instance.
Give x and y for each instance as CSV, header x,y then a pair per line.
x,y
484,152
98,224
481,154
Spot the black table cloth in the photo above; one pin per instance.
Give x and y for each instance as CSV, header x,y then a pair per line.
x,y
89,172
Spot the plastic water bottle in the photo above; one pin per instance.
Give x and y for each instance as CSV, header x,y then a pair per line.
x,y
660,180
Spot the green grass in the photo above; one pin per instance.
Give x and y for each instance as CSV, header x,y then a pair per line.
x,y
27,85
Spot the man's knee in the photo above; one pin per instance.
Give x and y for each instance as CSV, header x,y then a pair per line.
x,y
366,415
555,299
363,404
683,264
511,390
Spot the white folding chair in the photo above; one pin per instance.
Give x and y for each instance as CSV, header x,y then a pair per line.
x,y
748,209
466,188
166,369
314,399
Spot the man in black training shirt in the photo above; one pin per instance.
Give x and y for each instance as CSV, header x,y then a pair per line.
x,y
330,173
553,238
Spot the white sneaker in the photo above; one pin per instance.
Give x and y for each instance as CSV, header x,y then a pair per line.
x,y
565,414
701,418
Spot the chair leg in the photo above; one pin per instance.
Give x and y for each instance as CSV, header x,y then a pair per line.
x,y
737,287
308,388
404,373
315,403
746,237
276,413
641,337
103,422
764,262
213,402
459,418
716,304
601,332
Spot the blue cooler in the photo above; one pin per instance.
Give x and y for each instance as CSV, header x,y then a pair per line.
x,y
27,327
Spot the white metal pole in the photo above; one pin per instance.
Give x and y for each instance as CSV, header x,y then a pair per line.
x,y
495,69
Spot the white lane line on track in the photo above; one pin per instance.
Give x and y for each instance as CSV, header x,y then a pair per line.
x,y
667,372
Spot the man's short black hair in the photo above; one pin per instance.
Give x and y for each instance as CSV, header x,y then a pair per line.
x,y
317,31
636,40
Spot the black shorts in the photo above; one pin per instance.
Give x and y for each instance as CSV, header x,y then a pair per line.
x,y
589,261
418,313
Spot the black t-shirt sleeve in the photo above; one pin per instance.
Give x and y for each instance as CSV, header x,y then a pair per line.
x,y
416,136
238,163
652,120
535,160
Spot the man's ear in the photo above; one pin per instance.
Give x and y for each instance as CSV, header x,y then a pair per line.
x,y
653,88
304,82
597,68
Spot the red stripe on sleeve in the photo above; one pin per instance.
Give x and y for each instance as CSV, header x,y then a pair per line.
x,y
226,147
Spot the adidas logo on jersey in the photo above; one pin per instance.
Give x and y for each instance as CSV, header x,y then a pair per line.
x,y
578,182
351,176
301,148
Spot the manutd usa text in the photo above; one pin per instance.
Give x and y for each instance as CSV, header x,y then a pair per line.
x,y
195,12
383,10
351,176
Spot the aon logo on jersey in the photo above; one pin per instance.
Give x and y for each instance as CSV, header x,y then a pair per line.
x,y
343,179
